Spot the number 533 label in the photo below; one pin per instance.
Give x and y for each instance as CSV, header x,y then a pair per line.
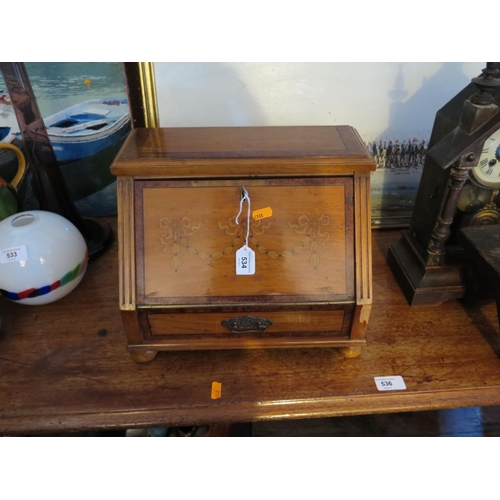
x,y
395,383
13,254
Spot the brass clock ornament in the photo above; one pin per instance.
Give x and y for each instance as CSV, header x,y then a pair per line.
x,y
460,182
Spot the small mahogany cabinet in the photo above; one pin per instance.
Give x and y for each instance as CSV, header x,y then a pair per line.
x,y
179,228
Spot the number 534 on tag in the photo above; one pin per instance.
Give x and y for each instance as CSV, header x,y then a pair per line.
x,y
245,261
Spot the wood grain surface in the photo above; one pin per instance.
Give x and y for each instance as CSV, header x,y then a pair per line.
x,y
65,366
188,234
227,152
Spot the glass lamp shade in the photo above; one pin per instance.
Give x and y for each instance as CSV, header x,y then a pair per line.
x,y
43,257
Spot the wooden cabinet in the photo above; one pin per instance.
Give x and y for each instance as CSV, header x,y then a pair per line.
x,y
181,220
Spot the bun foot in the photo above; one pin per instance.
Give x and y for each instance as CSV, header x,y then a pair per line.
x,y
351,352
143,356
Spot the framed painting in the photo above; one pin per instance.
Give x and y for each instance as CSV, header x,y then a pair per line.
x,y
85,109
393,109
395,182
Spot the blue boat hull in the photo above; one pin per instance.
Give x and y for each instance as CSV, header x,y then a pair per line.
x,y
71,151
87,128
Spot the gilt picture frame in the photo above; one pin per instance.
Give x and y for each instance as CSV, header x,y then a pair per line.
x,y
394,183
408,95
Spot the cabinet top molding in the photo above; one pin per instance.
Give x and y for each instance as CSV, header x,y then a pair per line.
x,y
243,151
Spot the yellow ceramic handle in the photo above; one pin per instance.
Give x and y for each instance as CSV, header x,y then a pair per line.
x,y
21,162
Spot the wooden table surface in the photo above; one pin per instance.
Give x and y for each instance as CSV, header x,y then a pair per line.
x,y
64,366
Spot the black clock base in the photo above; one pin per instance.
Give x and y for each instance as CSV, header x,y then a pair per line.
x,y
423,285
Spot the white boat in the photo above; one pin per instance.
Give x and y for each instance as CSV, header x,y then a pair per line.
x,y
9,133
87,128
9,128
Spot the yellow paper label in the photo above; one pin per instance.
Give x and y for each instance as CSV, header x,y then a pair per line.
x,y
263,213
216,390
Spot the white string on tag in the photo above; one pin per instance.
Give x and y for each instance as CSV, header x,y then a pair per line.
x,y
245,256
245,197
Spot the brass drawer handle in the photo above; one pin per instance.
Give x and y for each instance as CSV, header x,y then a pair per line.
x,y
246,324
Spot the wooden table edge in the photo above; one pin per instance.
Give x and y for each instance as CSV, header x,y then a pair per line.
x,y
220,413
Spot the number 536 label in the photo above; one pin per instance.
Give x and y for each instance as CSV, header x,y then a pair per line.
x,y
395,383
13,254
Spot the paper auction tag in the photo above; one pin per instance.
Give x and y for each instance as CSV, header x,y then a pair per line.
x,y
263,213
216,390
395,383
13,254
245,261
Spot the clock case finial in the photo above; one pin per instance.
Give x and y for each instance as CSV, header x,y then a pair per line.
x,y
426,262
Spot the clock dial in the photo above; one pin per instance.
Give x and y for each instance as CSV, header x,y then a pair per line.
x,y
487,170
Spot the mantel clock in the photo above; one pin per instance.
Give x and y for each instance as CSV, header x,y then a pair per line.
x,y
459,185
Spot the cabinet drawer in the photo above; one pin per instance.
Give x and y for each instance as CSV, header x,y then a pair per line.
x,y
267,322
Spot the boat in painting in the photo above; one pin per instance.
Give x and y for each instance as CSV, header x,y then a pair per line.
x,y
8,122
87,128
9,133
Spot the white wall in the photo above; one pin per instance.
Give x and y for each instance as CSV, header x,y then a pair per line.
x,y
381,100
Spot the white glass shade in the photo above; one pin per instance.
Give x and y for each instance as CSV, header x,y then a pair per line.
x,y
43,257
